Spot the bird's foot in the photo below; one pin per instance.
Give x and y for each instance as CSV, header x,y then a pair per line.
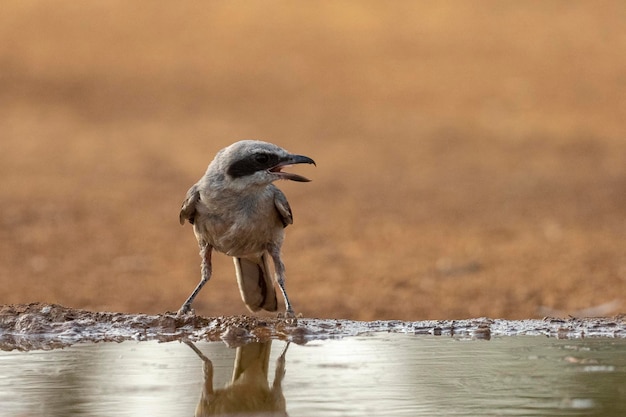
x,y
289,316
185,310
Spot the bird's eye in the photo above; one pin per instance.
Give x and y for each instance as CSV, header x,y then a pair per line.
x,y
262,158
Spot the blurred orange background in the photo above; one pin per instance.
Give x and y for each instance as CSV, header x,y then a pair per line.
x,y
471,156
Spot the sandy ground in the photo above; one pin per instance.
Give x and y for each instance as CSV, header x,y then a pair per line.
x,y
471,157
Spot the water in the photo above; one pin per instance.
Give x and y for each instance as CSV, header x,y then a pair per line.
x,y
380,374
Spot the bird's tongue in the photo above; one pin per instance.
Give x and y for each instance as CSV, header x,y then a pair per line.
x,y
288,175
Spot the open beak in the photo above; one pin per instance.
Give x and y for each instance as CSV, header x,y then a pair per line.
x,y
291,160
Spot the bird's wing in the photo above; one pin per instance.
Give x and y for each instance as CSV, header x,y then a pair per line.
x,y
282,205
188,210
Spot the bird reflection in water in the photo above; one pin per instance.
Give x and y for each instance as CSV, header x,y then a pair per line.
x,y
249,392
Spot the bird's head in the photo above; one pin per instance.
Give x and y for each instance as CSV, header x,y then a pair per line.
x,y
259,163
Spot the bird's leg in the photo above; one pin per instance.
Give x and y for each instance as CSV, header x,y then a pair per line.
x,y
279,374
280,278
207,369
205,253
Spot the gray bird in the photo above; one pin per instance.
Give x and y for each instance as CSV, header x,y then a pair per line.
x,y
235,209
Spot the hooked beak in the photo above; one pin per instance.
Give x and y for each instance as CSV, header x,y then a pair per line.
x,y
291,160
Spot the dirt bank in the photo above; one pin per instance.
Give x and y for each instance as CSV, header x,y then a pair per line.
x,y
49,326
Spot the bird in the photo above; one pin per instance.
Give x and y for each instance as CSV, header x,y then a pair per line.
x,y
249,391
236,209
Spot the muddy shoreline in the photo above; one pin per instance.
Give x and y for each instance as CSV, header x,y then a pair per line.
x,y
51,326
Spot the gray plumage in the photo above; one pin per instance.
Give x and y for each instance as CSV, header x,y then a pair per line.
x,y
235,209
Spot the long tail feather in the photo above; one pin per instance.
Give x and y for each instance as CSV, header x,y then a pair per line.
x,y
255,283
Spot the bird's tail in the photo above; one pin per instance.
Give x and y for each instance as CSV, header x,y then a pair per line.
x,y
255,283
253,360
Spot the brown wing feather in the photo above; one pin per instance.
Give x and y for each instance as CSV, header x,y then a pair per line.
x,y
282,205
188,210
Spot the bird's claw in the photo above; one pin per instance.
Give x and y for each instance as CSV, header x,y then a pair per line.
x,y
185,310
289,316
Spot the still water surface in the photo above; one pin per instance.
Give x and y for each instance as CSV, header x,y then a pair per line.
x,y
378,375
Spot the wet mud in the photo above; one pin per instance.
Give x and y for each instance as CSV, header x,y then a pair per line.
x,y
49,326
